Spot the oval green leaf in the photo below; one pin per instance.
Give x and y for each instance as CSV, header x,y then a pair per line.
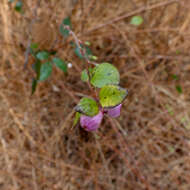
x,y
45,71
104,74
87,106
60,64
42,55
65,32
112,95
78,53
18,6
84,76
136,20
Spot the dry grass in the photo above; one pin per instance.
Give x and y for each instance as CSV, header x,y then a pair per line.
x,y
146,148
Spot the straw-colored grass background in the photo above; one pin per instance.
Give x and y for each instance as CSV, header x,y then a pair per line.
x,y
147,147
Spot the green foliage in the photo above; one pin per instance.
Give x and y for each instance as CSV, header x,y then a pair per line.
x,y
87,43
34,46
179,89
136,20
78,52
44,64
87,106
64,31
104,74
82,51
76,119
112,95
37,68
42,55
60,64
45,71
18,6
84,75
175,77
93,57
34,85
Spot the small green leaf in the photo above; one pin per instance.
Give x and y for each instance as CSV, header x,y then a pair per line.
x,y
10,1
87,106
63,30
18,6
76,119
175,77
93,57
136,20
42,55
60,64
37,68
90,71
67,21
104,74
45,71
34,46
84,76
87,43
112,95
78,53
88,51
34,85
179,89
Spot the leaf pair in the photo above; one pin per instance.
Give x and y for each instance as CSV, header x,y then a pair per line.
x,y
109,96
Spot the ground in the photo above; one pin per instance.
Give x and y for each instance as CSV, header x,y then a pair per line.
x,y
147,147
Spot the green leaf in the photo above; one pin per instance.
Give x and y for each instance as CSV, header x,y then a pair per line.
x,y
87,106
136,20
18,6
112,95
42,55
34,85
104,74
84,76
175,77
179,89
87,43
63,30
10,1
76,119
60,64
45,71
37,68
88,51
78,53
93,57
34,46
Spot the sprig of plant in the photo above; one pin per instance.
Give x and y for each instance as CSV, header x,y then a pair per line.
x,y
18,5
104,77
43,66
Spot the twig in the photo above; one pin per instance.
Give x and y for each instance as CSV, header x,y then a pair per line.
x,y
78,43
83,53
